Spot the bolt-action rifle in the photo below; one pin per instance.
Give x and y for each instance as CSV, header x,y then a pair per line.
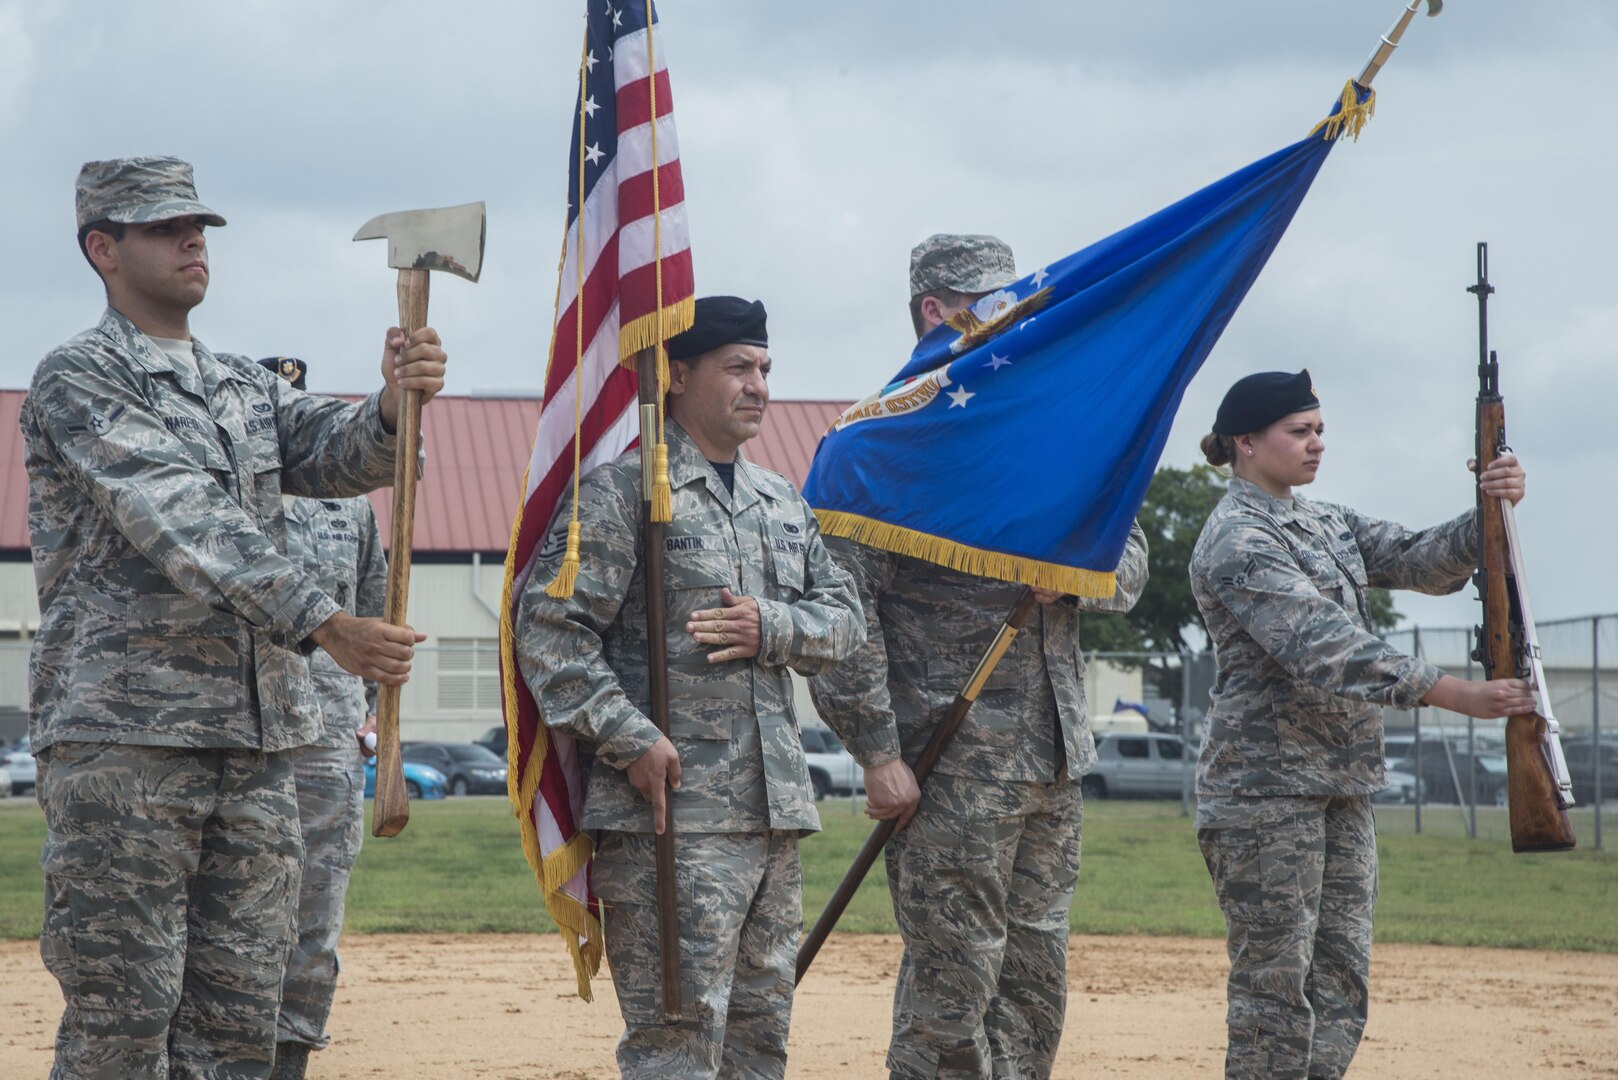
x,y
1507,643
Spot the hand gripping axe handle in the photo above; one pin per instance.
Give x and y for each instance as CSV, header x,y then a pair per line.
x,y
448,239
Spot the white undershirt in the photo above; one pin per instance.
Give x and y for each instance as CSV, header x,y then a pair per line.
x,y
182,354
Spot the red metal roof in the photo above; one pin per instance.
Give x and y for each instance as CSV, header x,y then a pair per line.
x,y
13,474
477,450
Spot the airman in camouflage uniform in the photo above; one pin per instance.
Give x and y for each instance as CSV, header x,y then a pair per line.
x,y
743,795
982,876
335,541
169,676
1293,749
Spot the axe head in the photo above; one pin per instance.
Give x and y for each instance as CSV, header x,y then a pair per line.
x,y
449,238
1434,7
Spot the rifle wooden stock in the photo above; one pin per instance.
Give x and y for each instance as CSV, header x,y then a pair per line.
x,y
942,736
390,811
657,669
1539,821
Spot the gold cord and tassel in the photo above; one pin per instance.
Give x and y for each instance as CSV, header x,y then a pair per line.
x,y
1352,114
662,497
562,587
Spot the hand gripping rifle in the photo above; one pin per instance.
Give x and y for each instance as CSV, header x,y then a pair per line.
x,y
1508,646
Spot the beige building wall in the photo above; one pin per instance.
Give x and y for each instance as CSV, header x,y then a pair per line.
x,y
454,692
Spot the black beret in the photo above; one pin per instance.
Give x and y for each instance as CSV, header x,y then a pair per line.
x,y
1258,401
289,368
721,320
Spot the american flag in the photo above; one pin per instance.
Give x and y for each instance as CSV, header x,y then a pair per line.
x,y
626,248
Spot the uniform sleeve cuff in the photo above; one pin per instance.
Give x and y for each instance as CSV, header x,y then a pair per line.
x,y
774,632
877,748
1417,684
384,441
631,738
301,626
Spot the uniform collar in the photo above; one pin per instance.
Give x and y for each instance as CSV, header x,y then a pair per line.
x,y
1284,511
688,466
146,352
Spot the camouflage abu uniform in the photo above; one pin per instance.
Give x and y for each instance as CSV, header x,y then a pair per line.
x,y
1293,752
983,875
337,543
745,794
168,674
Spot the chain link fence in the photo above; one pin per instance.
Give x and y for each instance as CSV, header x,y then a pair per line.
x,y
1451,766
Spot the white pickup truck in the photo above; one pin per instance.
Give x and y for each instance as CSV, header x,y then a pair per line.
x,y
832,769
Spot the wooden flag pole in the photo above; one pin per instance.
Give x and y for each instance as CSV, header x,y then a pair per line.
x,y
668,912
942,736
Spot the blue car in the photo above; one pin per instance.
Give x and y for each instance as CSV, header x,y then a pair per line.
x,y
421,781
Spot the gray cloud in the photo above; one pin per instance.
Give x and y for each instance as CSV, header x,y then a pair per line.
x,y
819,144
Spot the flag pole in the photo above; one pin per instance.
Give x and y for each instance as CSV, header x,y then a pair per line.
x,y
942,736
1390,40
668,912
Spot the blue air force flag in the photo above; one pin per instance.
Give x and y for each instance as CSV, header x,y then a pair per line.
x,y
1019,440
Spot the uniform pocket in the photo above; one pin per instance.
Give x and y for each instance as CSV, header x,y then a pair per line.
x,y
705,700
785,542
80,941
181,654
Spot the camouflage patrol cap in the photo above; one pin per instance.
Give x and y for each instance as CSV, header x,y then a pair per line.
x,y
969,264
289,368
133,191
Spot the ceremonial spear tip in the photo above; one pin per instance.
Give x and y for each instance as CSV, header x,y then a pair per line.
x,y
1390,40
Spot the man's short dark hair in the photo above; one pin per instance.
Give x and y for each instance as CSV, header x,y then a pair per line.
x,y
114,229
948,297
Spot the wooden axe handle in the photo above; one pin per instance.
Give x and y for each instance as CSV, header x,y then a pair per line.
x,y
392,809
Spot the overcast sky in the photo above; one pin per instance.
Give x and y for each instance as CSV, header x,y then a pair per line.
x,y
821,141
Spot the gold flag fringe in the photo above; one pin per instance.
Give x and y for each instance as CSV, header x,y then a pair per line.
x,y
580,929
1352,114
1093,584
641,333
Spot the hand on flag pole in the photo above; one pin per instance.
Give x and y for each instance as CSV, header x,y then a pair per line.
x,y
652,774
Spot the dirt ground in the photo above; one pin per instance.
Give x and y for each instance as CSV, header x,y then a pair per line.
x,y
503,1007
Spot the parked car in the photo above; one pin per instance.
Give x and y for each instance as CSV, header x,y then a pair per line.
x,y
832,769
1438,783
495,740
472,768
421,781
1148,765
1401,788
19,763
1398,747
1581,768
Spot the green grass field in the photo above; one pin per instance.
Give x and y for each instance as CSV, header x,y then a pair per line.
x,y
459,868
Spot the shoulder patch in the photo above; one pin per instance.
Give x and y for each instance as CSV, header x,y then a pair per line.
x,y
1239,579
555,543
97,424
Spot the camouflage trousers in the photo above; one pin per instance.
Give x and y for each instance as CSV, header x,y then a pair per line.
x,y
331,815
982,879
1297,885
741,914
170,880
